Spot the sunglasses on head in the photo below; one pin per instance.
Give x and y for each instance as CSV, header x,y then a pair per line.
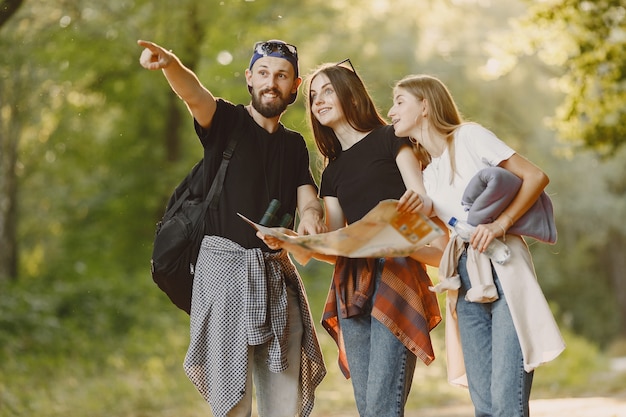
x,y
346,63
267,48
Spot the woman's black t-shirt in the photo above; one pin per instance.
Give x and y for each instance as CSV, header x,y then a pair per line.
x,y
365,174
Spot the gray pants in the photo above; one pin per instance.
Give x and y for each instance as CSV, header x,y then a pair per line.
x,y
276,393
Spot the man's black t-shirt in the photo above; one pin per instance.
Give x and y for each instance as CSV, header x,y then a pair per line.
x,y
264,166
365,174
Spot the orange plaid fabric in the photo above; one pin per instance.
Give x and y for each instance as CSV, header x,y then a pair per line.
x,y
403,302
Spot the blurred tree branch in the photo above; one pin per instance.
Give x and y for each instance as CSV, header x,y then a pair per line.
x,y
8,9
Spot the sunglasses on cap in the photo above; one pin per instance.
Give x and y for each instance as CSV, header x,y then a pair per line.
x,y
267,48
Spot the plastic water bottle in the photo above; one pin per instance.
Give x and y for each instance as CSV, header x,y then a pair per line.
x,y
497,250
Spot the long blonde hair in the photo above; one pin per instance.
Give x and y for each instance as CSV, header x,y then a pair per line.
x,y
443,114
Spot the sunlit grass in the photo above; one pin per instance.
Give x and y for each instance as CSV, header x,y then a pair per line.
x,y
155,384
69,366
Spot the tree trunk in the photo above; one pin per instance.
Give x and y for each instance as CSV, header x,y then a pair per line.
x,y
172,129
616,262
8,178
8,197
190,56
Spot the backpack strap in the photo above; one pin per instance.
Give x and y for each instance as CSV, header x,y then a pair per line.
x,y
213,195
180,199
217,185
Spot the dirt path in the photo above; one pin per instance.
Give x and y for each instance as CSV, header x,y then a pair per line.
x,y
560,407
566,407
607,402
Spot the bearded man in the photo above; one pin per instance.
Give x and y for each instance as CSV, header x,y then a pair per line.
x,y
250,321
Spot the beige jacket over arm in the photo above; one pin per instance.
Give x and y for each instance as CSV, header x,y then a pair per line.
x,y
538,333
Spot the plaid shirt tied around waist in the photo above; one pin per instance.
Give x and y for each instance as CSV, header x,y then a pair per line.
x,y
239,299
403,302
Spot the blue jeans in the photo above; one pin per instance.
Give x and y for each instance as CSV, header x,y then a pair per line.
x,y
498,384
381,367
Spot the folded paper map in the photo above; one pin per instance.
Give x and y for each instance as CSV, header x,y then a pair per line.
x,y
383,232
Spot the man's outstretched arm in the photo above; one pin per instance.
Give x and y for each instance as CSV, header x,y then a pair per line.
x,y
183,81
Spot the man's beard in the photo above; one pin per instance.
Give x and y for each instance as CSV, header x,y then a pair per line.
x,y
270,110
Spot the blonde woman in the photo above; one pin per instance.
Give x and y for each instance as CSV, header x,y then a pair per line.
x,y
495,346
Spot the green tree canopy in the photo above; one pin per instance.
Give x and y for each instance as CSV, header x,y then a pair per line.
x,y
584,42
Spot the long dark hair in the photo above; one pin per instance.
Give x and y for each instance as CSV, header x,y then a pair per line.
x,y
355,101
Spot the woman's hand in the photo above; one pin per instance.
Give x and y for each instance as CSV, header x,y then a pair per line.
x,y
412,202
311,225
485,233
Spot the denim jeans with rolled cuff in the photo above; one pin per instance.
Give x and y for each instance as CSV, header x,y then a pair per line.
x,y
381,367
498,384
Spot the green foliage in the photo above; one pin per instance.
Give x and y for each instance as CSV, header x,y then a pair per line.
x,y
111,346
102,142
570,374
63,319
116,346
587,41
582,273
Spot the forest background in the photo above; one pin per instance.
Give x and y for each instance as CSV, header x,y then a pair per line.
x,y
91,146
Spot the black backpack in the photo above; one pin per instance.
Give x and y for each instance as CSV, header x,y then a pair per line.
x,y
180,232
